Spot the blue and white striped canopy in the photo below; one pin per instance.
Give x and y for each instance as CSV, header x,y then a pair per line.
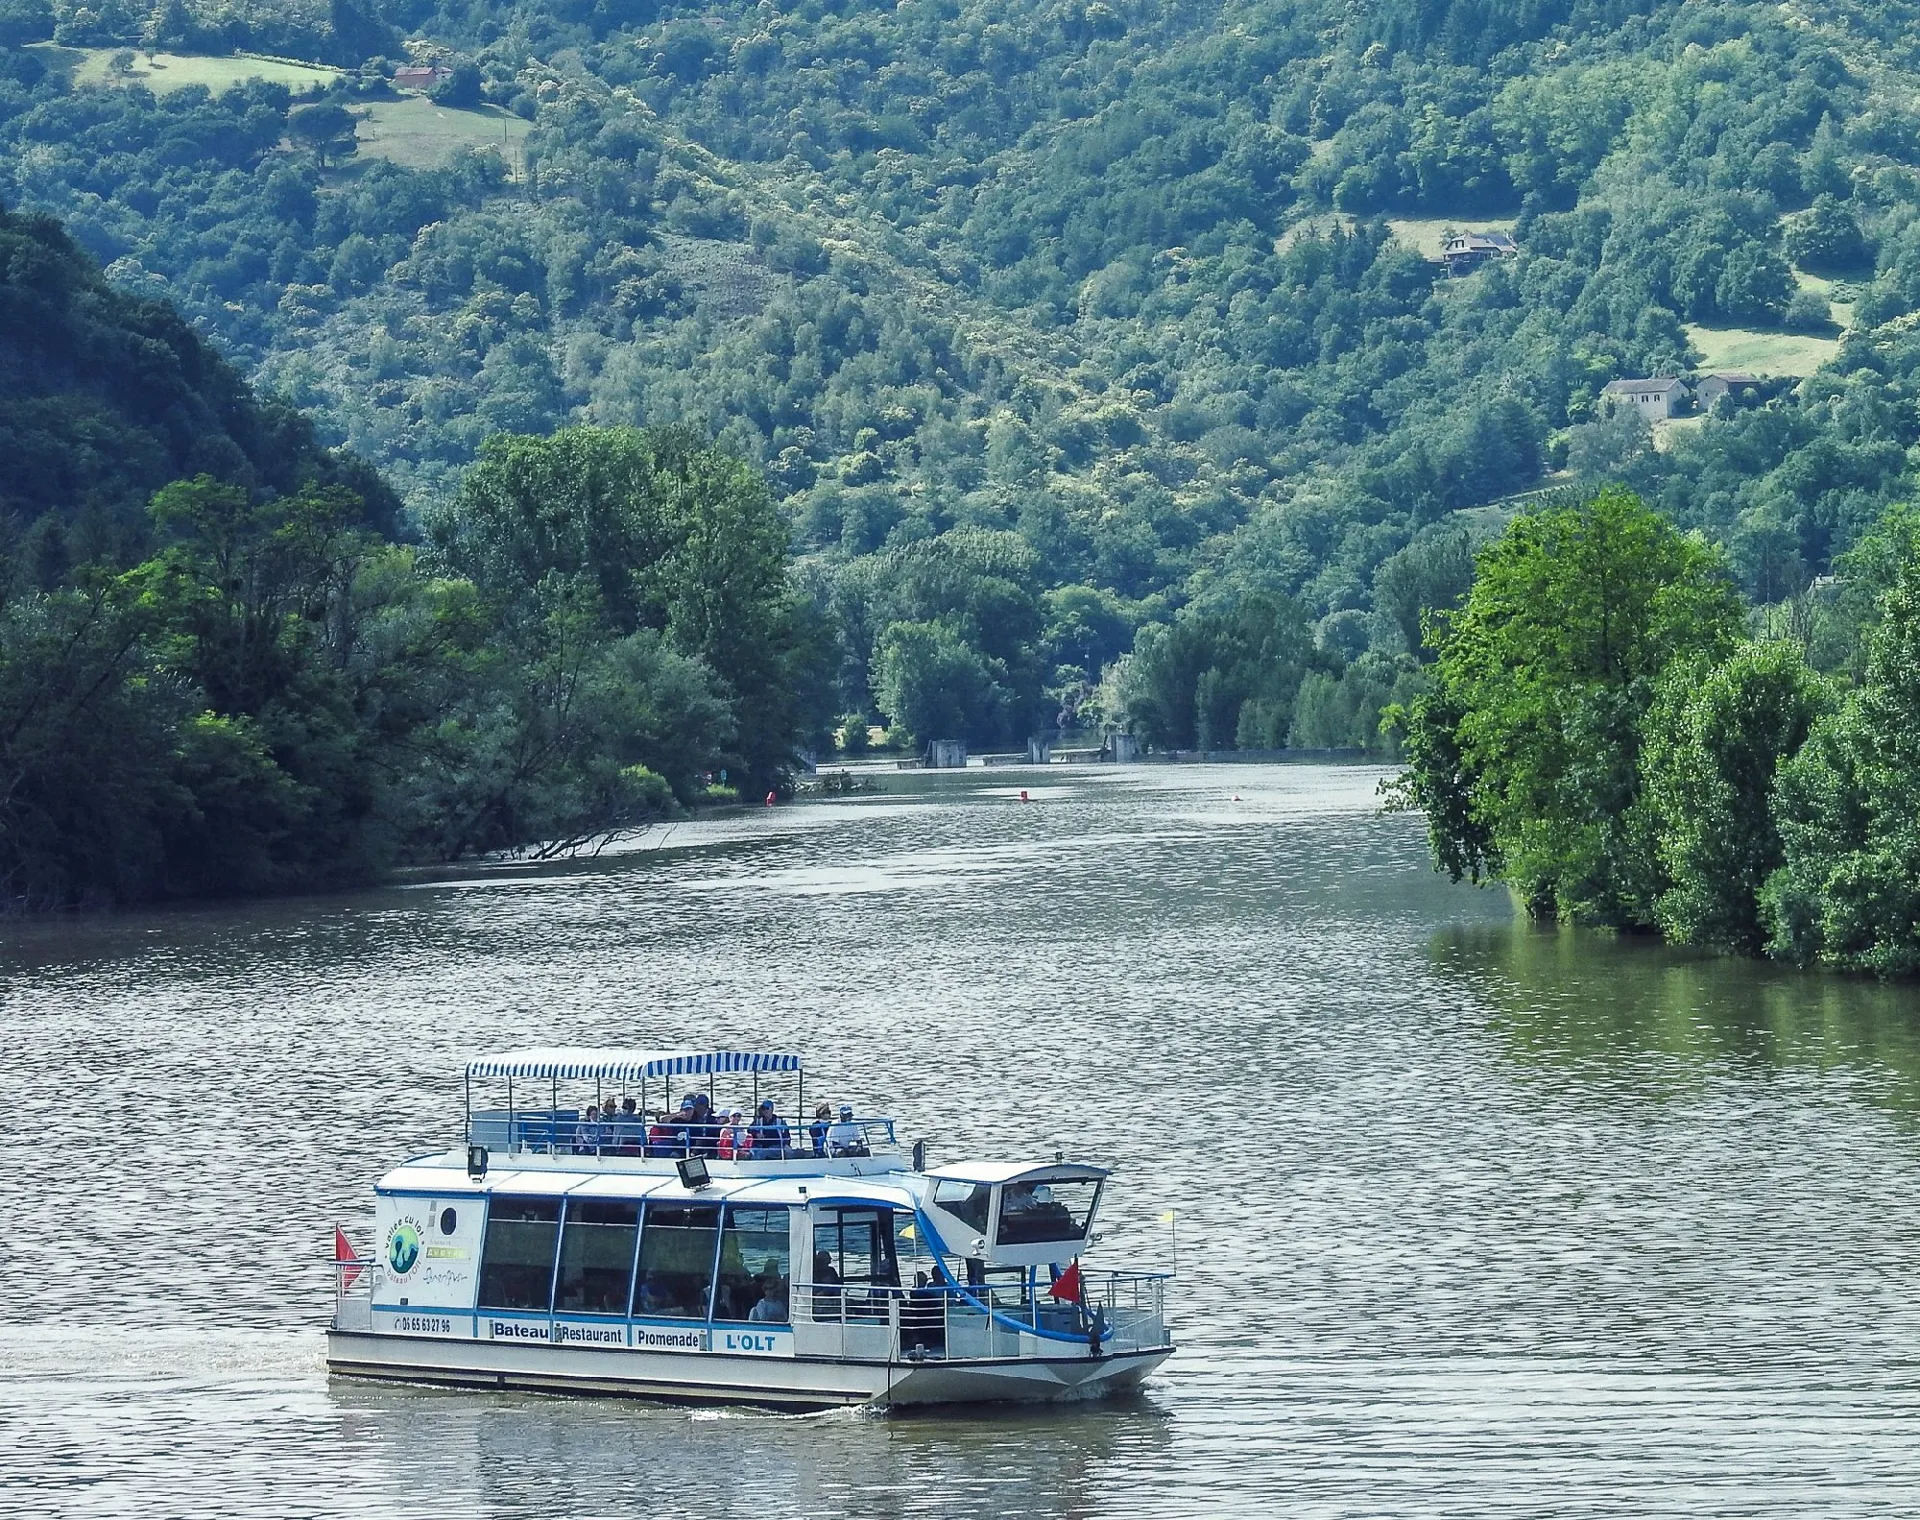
x,y
572,1061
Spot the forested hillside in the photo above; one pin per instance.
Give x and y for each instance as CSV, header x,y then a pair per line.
x,y
1055,327
219,674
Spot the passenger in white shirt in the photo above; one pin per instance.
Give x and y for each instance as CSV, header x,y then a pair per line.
x,y
847,1138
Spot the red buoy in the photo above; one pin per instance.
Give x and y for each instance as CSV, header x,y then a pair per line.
x,y
770,799
1025,798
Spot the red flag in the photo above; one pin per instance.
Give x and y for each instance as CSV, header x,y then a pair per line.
x,y
343,1252
1066,1287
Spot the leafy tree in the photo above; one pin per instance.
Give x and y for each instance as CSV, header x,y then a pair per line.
x,y
326,129
461,86
934,683
1826,238
1525,755
1222,678
673,533
1847,893
1714,739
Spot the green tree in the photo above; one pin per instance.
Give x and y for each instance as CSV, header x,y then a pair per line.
x,y
675,534
1847,893
326,129
1714,740
1826,238
930,680
1525,755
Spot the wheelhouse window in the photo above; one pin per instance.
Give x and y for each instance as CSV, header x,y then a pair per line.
x,y
756,1267
1033,1213
966,1201
516,1264
596,1256
853,1263
676,1260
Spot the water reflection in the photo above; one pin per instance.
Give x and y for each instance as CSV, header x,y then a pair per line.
x,y
1665,1020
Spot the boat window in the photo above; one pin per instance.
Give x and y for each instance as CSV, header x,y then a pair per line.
x,y
516,1270
756,1255
1035,1212
857,1245
596,1256
966,1201
676,1260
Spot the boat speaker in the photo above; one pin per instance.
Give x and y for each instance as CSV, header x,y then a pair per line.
x,y
476,1161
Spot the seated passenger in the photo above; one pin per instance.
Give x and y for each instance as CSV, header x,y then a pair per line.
x,y
734,1143
772,1308
817,1131
826,1287
590,1134
847,1138
628,1132
771,1138
703,1133
662,1138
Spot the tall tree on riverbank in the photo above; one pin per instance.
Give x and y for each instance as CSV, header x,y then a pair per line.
x,y
1525,755
1848,806
669,533
1714,742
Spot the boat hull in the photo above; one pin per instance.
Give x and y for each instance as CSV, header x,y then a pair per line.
x,y
799,1382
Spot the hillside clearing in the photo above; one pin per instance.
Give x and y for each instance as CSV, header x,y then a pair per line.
x,y
1761,353
1838,294
1428,234
417,134
164,73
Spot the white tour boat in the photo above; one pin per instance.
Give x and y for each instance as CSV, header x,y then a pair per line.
x,y
568,1253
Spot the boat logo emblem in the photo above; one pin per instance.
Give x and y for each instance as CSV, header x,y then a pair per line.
x,y
403,1248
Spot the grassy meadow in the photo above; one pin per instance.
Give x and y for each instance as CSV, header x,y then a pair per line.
x,y
417,134
164,73
1761,353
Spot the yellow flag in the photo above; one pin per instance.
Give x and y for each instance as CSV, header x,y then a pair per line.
x,y
1167,1218
906,1231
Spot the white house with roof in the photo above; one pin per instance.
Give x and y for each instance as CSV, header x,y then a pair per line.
x,y
1654,399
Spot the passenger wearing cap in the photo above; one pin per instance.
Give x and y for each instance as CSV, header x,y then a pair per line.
x,y
736,1143
703,1126
770,1137
817,1131
847,1138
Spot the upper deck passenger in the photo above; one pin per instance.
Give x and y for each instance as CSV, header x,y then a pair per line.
x,y
771,1138
847,1138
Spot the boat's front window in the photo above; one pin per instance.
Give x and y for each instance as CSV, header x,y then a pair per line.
x,y
756,1266
1032,1213
596,1256
676,1260
966,1201
516,1269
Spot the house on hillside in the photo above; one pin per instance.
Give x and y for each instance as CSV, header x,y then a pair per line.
x,y
1655,400
420,76
1465,252
1734,386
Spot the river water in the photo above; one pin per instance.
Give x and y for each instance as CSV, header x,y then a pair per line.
x,y
1469,1217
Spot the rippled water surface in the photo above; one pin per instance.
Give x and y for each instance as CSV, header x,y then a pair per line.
x,y
1471,1218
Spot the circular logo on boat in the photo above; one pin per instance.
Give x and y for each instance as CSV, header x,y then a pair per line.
x,y
403,1248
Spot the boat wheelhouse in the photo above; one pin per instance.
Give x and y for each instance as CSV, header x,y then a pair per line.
x,y
817,1266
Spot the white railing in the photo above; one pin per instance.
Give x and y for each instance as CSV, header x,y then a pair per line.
x,y
1118,1312
353,1284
